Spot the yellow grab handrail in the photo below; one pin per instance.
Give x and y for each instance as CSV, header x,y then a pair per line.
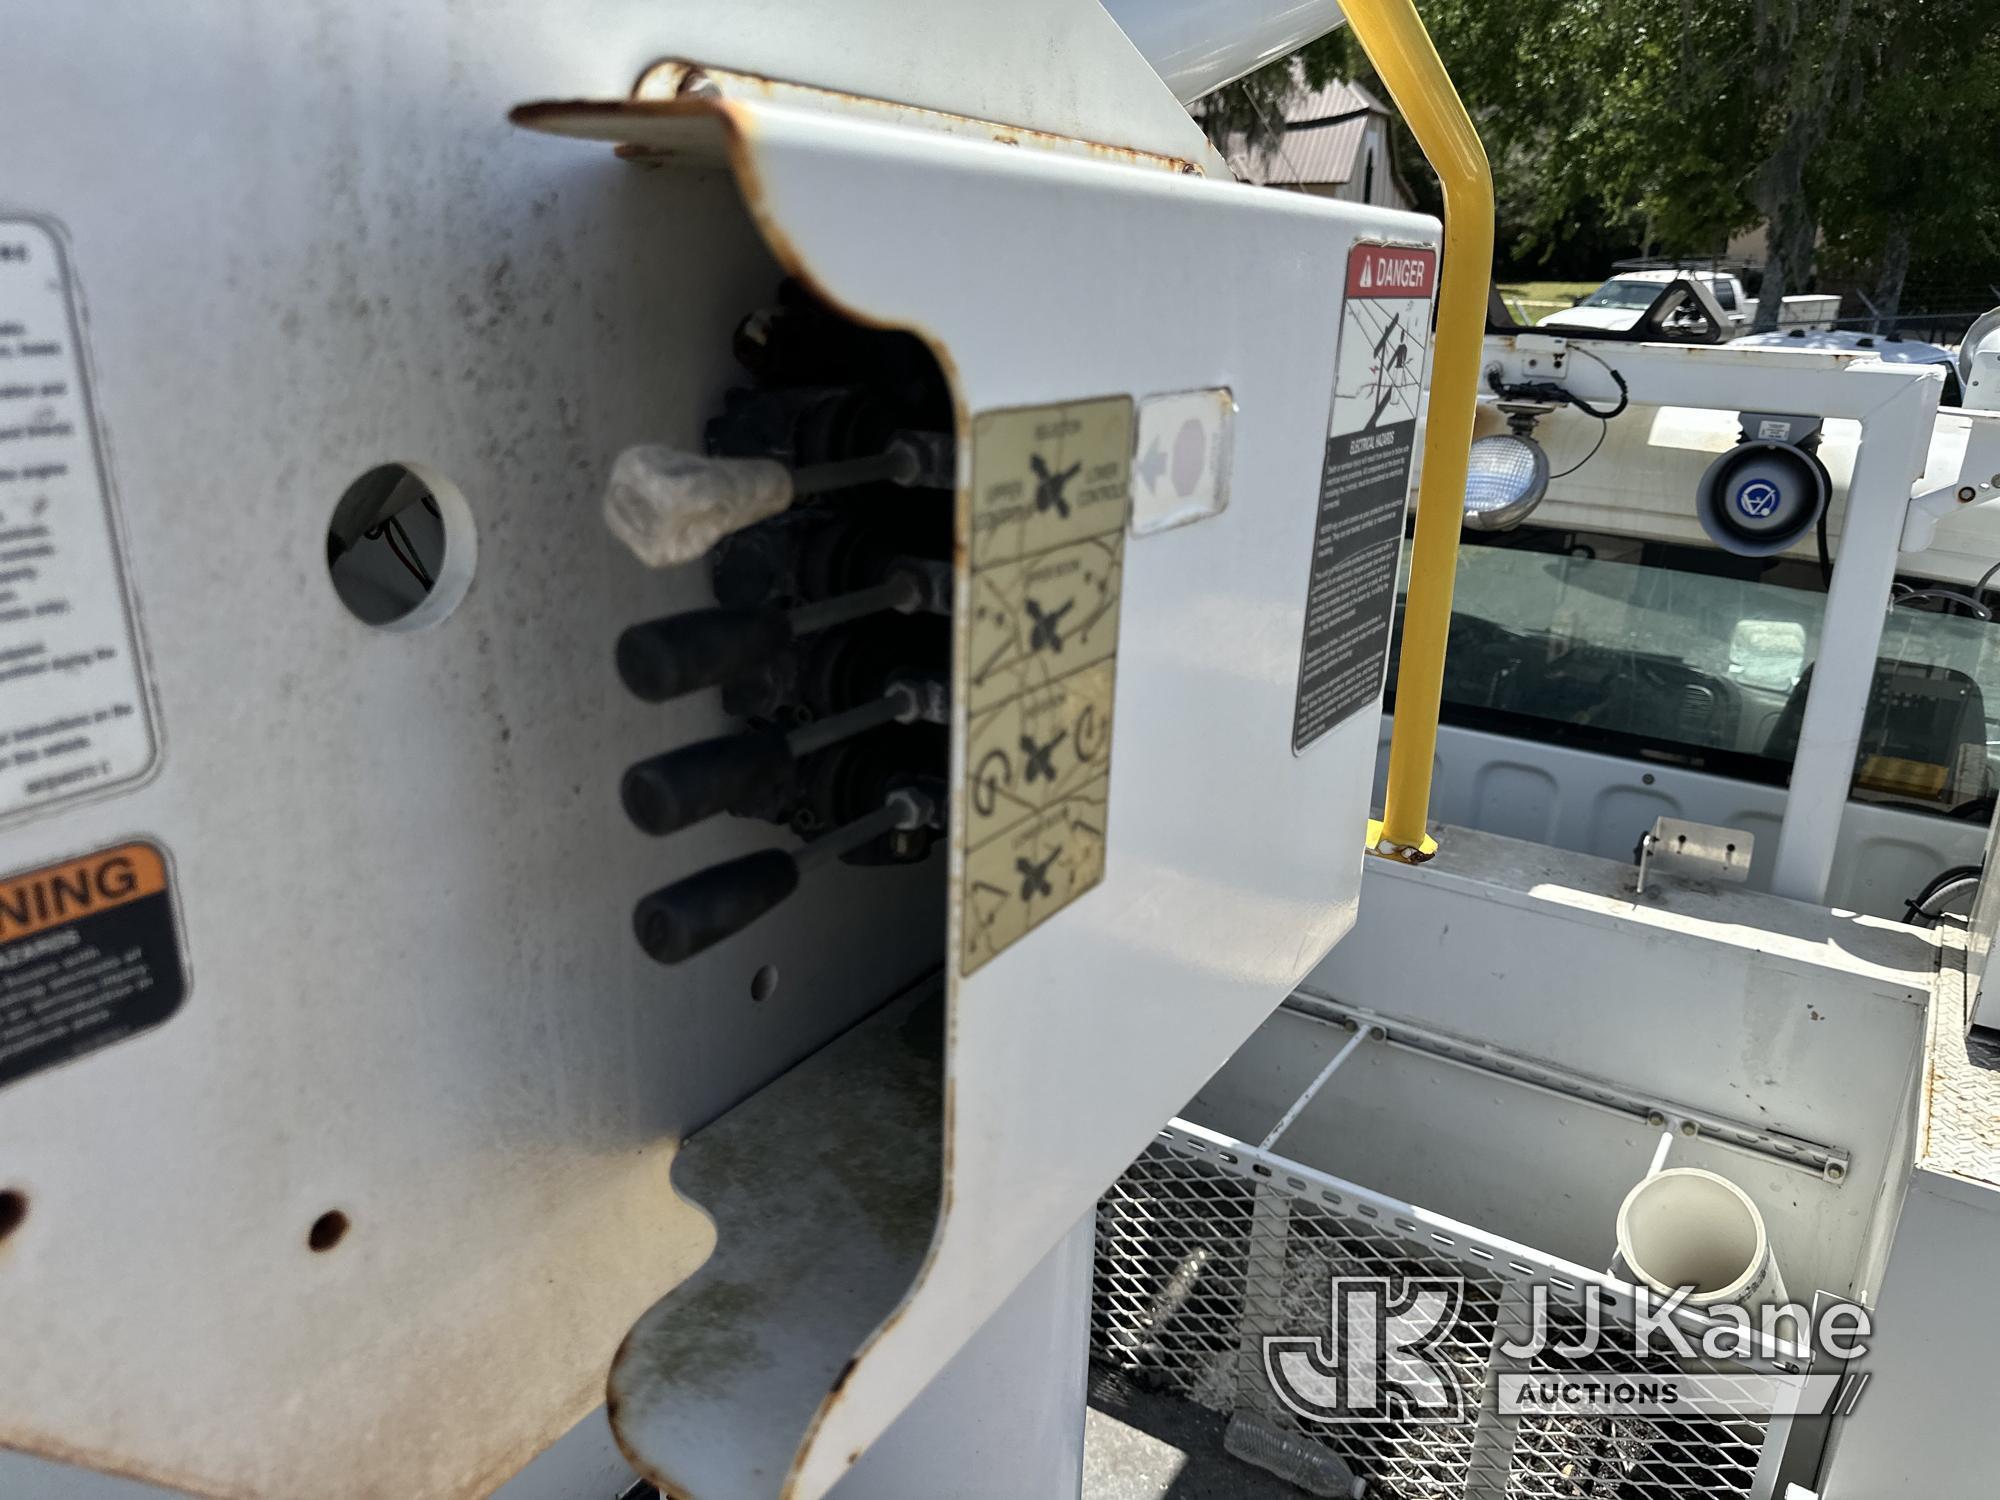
x,y
1393,35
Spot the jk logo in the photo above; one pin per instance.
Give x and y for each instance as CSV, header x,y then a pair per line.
x,y
1383,1358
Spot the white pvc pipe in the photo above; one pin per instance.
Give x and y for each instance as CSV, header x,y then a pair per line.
x,y
1199,45
1687,1227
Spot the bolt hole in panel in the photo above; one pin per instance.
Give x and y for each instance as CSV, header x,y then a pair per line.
x,y
1055,291
13,1211
401,547
328,1230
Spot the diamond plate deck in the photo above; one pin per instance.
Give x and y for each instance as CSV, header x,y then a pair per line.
x,y
1959,1133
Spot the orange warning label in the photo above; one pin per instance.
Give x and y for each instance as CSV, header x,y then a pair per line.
x,y
56,894
90,953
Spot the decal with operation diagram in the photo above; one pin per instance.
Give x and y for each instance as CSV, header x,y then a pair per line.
x,y
1050,490
1364,486
73,709
90,953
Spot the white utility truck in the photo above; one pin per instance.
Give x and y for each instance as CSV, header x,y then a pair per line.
x,y
1618,304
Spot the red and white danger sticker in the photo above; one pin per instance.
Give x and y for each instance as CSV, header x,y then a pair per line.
x,y
1391,271
1385,331
1378,391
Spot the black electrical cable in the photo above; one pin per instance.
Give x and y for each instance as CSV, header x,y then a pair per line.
x,y
1603,426
406,552
1985,578
1624,391
1914,911
1559,395
387,532
1944,596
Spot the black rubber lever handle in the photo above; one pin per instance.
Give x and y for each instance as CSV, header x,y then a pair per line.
x,y
678,789
665,658
680,920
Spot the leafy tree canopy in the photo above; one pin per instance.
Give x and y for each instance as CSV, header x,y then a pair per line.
x,y
1861,133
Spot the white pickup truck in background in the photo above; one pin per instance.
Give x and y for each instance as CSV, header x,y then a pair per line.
x,y
1617,304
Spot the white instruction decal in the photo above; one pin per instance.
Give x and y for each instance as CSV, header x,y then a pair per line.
x,y
73,711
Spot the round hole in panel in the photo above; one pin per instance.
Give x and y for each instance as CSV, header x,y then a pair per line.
x,y
400,547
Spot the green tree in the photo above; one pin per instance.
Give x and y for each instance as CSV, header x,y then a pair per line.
x,y
1625,112
1910,175
1864,124
1804,64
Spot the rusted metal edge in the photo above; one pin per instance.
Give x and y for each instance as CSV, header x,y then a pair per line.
x,y
668,88
740,142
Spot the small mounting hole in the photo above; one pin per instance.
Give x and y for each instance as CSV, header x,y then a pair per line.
x,y
13,1210
764,983
400,547
327,1230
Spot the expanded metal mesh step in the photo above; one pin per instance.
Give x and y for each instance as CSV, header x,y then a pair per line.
x,y
1205,1247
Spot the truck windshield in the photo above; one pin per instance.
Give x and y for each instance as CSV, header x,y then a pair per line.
x,y
1697,658
1625,294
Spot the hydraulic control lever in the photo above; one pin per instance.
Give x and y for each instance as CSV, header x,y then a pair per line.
x,y
683,653
670,506
680,920
682,787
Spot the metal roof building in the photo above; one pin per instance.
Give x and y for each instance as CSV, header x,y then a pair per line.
x,y
1336,145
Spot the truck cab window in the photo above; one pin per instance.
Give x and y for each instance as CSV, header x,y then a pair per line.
x,y
1691,657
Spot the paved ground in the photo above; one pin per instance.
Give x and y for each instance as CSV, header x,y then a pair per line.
x,y
1138,1446
1142,1446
